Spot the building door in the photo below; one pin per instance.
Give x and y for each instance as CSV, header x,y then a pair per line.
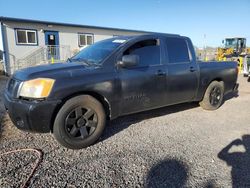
x,y
52,41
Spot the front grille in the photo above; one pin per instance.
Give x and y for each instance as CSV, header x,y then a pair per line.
x,y
13,87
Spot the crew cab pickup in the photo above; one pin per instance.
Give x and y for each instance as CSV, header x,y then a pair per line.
x,y
111,78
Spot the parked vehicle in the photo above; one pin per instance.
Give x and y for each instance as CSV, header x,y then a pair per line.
x,y
112,78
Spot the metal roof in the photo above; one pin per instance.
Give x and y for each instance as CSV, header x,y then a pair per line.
x,y
235,37
2,19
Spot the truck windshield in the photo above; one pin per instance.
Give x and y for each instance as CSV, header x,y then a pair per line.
x,y
97,52
231,43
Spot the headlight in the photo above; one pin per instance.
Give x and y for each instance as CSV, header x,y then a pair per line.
x,y
37,88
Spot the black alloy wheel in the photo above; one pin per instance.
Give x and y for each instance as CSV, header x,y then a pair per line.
x,y
81,122
215,96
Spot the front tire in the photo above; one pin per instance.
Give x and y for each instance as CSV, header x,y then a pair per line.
x,y
213,97
80,122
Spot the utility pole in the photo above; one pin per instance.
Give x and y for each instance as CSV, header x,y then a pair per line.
x,y
205,48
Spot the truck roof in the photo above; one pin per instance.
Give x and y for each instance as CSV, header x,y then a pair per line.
x,y
148,34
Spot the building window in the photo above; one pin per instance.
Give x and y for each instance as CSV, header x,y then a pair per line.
x,y
85,39
27,37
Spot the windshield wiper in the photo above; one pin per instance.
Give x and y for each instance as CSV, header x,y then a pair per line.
x,y
93,63
79,60
69,59
85,61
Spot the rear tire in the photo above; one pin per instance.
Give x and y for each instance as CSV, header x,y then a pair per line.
x,y
213,96
80,122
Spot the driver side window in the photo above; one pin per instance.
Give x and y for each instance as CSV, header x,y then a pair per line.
x,y
147,50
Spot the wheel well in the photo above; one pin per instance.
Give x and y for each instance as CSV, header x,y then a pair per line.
x,y
217,79
100,98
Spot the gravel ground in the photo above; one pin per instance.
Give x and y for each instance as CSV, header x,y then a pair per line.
x,y
177,146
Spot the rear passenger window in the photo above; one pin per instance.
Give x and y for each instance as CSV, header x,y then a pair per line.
x,y
177,50
147,50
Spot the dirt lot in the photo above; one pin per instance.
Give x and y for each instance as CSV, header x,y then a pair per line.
x,y
176,146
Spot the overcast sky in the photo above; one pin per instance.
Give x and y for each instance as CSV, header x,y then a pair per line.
x,y
205,22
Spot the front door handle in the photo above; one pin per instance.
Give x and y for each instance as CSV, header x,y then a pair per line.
x,y
192,69
160,73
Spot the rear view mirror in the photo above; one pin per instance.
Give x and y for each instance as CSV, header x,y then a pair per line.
x,y
128,61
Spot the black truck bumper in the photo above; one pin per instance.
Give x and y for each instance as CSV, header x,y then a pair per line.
x,y
31,116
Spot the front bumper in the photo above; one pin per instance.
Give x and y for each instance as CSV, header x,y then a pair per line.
x,y
31,116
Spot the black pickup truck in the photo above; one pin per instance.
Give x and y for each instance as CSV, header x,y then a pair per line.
x,y
112,78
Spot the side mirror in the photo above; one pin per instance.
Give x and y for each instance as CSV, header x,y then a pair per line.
x,y
222,41
128,61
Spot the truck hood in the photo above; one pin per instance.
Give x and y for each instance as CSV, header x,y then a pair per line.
x,y
55,70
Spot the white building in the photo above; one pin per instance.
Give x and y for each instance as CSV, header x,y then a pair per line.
x,y
25,42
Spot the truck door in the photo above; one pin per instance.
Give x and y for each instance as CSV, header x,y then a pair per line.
x,y
182,78
142,86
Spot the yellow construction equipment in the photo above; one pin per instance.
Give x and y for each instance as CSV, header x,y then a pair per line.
x,y
234,49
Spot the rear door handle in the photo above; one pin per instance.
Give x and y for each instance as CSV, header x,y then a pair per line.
x,y
160,73
192,69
